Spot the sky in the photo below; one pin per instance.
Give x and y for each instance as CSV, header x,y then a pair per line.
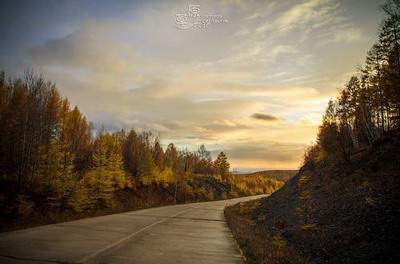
x,y
251,78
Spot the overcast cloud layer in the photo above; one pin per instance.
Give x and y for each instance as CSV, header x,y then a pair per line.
x,y
254,86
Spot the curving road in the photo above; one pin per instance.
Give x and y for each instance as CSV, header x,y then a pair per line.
x,y
189,233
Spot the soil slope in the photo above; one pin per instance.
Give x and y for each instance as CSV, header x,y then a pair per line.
x,y
337,213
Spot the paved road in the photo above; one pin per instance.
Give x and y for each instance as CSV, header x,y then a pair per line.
x,y
191,233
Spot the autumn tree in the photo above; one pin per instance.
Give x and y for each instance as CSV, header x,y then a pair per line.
x,y
171,157
204,162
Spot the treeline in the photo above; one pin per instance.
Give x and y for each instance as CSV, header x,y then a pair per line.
x,y
52,158
368,107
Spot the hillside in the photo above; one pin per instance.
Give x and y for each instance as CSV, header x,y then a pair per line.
x,y
279,175
343,204
337,213
39,209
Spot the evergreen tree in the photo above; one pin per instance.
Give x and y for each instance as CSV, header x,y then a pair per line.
x,y
221,165
130,150
158,155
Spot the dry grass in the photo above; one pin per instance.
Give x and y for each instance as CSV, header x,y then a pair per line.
x,y
258,244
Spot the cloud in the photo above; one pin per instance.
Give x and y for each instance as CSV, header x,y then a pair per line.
x,y
212,86
295,16
187,107
313,13
274,152
342,35
89,47
267,155
264,117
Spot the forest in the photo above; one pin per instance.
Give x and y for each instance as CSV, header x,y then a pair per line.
x,y
54,165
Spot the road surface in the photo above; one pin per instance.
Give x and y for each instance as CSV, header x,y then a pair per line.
x,y
188,233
